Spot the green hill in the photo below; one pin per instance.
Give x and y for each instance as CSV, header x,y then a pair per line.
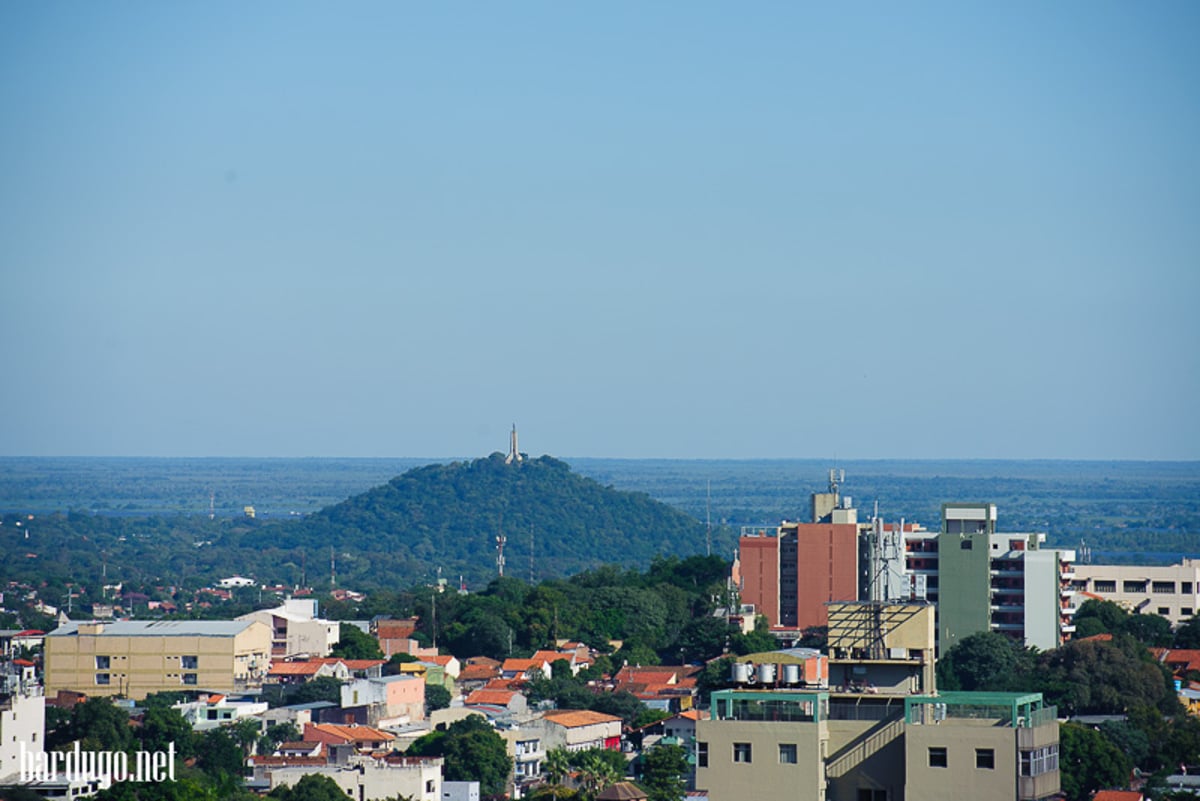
x,y
448,516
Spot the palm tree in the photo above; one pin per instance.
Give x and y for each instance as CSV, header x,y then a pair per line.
x,y
557,765
596,774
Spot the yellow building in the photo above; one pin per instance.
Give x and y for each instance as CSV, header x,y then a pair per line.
x,y
132,658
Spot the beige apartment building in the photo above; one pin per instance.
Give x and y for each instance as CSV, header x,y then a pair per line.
x,y
879,730
132,658
1172,591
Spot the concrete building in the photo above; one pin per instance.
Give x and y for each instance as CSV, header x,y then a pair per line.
x,y
1172,591
134,658
210,712
361,777
791,571
580,729
22,716
984,580
385,701
296,630
881,732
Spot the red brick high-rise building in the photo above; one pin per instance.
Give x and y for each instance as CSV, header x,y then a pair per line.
x,y
789,573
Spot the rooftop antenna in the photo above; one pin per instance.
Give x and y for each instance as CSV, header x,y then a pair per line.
x,y
332,568
212,505
500,540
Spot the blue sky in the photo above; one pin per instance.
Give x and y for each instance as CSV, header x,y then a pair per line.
x,y
694,230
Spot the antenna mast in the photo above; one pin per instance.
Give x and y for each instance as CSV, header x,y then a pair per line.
x,y
212,505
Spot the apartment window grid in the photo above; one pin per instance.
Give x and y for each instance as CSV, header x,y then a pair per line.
x,y
985,758
1185,587
1101,585
787,754
103,662
1162,587
742,753
1037,761
1133,586
189,662
938,757
103,679
701,754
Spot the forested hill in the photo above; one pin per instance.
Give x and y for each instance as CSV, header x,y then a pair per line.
x,y
448,516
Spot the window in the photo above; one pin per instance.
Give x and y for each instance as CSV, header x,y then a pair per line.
x,y
937,758
1163,586
1165,611
1106,586
189,662
966,545
102,679
430,786
741,752
787,754
701,755
102,662
189,678
212,714
1133,586
1039,761
1185,611
867,794
985,758
1185,587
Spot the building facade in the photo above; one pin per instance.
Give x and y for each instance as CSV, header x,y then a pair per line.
x,y
1172,591
133,658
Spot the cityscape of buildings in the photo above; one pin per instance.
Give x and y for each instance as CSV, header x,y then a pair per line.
x,y
860,718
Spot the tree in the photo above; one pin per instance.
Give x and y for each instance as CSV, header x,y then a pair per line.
x,y
986,660
557,765
162,726
1110,617
701,639
597,773
758,641
219,754
1188,633
313,787
436,697
662,771
353,643
98,725
472,751
1089,762
1098,677
1153,631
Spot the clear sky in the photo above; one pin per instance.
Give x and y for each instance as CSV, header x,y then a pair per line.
x,y
673,229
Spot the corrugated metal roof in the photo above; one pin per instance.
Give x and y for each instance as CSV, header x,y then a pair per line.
x,y
159,628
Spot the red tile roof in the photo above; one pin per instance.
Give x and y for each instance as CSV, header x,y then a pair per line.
x,y
294,668
574,718
478,673
496,697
